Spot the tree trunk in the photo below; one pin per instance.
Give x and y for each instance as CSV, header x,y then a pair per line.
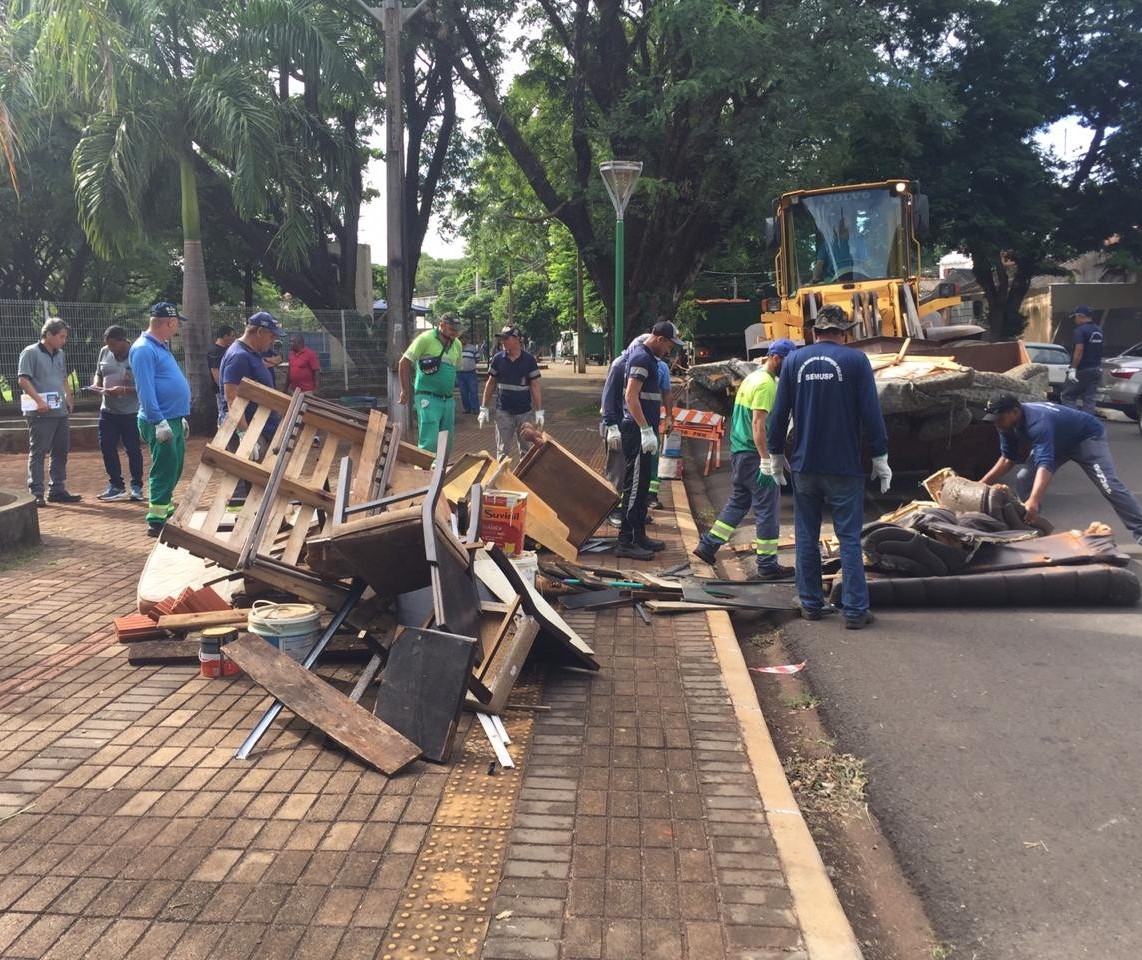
x,y
196,307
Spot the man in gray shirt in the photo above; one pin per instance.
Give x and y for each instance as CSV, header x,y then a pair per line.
x,y
47,403
118,416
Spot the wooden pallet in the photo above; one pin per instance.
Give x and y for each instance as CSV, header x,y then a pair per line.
x,y
289,497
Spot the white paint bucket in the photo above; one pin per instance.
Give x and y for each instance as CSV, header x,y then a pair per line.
x,y
527,563
291,627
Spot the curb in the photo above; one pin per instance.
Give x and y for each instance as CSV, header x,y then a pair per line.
x,y
824,926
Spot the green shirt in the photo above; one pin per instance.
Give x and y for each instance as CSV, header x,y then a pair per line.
x,y
757,392
429,344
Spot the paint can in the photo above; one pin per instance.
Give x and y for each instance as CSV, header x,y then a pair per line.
x,y
212,659
291,627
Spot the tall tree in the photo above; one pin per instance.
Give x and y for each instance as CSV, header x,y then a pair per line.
x,y
724,102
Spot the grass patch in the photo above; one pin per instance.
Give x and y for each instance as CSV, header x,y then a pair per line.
x,y
18,557
834,784
707,515
803,701
941,951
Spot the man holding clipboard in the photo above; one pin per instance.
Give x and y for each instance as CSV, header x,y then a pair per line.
x,y
47,402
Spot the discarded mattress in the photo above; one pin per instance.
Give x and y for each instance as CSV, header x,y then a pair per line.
x,y
1095,584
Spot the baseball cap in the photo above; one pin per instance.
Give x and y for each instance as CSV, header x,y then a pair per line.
x,y
510,332
164,308
781,348
832,317
267,320
664,328
449,318
998,404
1083,311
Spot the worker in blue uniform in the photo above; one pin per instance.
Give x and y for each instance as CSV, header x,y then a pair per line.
x,y
642,410
828,390
1085,372
1056,435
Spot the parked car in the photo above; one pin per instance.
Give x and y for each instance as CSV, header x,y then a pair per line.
x,y
1056,359
1122,383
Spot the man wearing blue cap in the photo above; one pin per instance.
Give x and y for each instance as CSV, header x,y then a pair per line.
x,y
751,487
164,404
244,358
1085,372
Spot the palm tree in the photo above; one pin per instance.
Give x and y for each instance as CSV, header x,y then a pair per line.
x,y
163,87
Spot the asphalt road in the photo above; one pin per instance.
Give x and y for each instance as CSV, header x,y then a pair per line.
x,y
1004,752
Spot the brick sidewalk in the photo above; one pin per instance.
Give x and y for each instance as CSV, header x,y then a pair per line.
x,y
632,827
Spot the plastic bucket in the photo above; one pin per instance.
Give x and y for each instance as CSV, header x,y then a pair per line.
x,y
291,627
527,563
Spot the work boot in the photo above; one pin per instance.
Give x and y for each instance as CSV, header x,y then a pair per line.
x,y
775,572
633,551
64,497
705,553
654,546
827,610
859,623
154,529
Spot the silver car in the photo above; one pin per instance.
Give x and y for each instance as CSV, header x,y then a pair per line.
x,y
1122,383
1056,359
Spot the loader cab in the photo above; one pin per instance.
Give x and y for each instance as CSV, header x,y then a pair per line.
x,y
848,235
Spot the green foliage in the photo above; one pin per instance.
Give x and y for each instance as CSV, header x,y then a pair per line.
x,y
530,308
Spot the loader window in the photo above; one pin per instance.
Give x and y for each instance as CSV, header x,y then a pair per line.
x,y
848,236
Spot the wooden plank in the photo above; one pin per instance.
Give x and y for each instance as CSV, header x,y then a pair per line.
x,y
542,523
199,621
415,457
503,665
306,519
366,677
580,497
256,473
386,551
323,706
423,687
365,483
162,653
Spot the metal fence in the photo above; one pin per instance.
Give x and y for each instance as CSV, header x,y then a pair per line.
x,y
351,347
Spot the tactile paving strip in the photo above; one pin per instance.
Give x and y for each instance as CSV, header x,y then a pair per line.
x,y
444,912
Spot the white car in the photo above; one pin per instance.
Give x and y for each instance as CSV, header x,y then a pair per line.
x,y
1056,359
1122,383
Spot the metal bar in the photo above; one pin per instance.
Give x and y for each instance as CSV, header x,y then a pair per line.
x,y
494,739
385,501
356,590
344,478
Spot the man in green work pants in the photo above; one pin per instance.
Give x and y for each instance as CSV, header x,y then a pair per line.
x,y
164,403
436,357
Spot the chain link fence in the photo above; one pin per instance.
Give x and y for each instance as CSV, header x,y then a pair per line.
x,y
352,348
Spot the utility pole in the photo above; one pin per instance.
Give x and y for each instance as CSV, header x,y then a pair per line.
x,y
392,16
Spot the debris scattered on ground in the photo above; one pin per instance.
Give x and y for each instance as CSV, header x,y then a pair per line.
x,y
835,783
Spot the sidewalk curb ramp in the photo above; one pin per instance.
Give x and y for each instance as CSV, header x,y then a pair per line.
x,y
824,926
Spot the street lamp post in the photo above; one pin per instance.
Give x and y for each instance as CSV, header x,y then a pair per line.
x,y
619,177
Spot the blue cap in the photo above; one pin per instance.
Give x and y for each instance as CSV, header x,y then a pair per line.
x,y
1083,311
267,320
164,308
781,348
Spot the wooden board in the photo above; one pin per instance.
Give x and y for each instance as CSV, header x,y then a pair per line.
x,y
199,621
323,706
386,550
557,639
579,496
508,642
423,687
162,652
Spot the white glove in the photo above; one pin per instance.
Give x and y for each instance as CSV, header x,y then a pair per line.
x,y
163,431
482,419
185,428
614,437
539,419
1072,375
649,440
774,466
882,471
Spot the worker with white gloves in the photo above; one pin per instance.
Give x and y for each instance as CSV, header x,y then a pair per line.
x,y
513,374
642,410
828,391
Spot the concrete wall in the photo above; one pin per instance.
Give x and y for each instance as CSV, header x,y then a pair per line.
x,y
1118,306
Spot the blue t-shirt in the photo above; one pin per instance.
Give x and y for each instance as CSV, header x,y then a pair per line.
x,y
239,362
829,391
642,365
513,381
160,385
1053,431
1089,334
